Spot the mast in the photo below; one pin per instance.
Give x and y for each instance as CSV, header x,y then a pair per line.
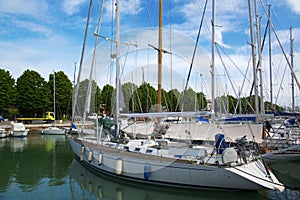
x,y
262,107
292,64
81,60
54,96
90,85
159,58
270,56
259,68
213,59
253,56
281,47
117,66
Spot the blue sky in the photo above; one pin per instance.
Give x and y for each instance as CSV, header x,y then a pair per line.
x,y
47,35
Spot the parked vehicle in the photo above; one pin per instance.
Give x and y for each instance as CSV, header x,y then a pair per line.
x,y
49,118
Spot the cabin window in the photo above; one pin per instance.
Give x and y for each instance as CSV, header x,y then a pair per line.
x,y
149,151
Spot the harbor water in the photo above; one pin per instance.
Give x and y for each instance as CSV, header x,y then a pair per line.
x,y
44,167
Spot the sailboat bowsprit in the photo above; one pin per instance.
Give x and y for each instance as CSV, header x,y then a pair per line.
x,y
160,161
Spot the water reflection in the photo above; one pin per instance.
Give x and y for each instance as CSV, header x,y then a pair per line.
x,y
98,186
27,163
17,144
42,166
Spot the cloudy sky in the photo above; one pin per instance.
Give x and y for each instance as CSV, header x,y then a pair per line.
x,y
47,35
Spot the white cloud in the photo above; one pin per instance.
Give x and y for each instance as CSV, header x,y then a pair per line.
x,y
33,27
72,6
128,7
31,8
294,5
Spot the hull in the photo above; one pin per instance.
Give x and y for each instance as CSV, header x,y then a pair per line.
x,y
52,131
166,171
283,155
3,133
22,133
18,130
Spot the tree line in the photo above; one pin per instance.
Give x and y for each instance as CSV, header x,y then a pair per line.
x,y
31,96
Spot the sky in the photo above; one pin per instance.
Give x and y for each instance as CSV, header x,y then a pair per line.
x,y
47,36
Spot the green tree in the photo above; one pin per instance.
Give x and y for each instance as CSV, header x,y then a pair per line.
x,y
147,96
92,102
32,94
128,90
63,94
108,98
202,101
232,103
7,92
174,96
226,104
165,100
189,100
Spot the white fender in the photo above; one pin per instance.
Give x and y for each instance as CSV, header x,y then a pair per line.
x,y
82,153
90,157
119,166
100,158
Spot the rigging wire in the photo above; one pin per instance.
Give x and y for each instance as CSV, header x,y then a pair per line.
x,y
280,86
228,75
81,59
193,57
237,67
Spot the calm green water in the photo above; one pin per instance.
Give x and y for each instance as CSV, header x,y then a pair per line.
x,y
43,167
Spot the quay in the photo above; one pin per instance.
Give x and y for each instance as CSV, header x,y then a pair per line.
x,y
37,126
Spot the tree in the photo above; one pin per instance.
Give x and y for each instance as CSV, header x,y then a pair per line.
x,y
32,94
147,96
189,100
108,98
7,92
91,103
174,96
128,90
165,100
202,102
63,93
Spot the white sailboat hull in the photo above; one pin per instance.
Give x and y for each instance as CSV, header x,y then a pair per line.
x,y
52,131
172,172
18,130
3,133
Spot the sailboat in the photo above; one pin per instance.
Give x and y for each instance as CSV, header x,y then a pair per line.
x,y
52,130
160,161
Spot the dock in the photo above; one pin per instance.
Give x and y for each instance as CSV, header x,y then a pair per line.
x,y
36,126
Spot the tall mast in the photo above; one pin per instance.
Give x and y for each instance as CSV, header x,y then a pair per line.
x,y
54,96
292,64
213,59
159,58
262,106
284,54
81,60
117,66
253,56
270,56
259,68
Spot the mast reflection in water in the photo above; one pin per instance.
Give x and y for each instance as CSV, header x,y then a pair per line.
x,y
43,167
